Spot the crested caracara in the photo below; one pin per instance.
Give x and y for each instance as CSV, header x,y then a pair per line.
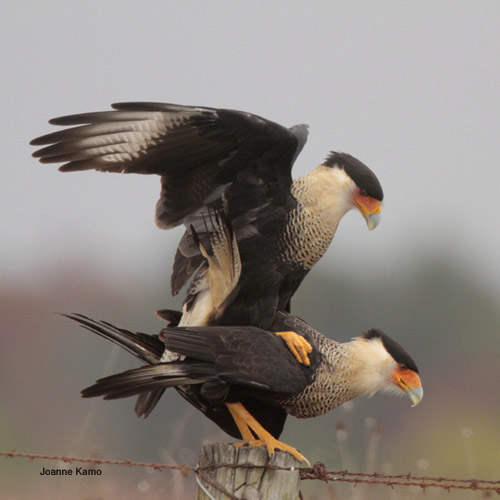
x,y
246,380
282,226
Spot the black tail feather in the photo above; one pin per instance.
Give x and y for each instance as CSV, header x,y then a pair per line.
x,y
147,348
149,378
147,402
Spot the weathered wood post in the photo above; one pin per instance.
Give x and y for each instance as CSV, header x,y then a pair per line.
x,y
247,483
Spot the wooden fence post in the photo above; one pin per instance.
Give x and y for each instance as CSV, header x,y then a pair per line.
x,y
246,483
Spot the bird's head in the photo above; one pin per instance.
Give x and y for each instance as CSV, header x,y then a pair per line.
x,y
380,364
361,187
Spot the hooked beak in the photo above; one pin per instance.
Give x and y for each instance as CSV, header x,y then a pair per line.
x,y
416,394
409,381
369,207
372,220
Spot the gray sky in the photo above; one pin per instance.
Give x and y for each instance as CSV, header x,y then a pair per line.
x,y
410,88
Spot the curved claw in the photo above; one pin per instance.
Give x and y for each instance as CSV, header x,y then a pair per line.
x,y
245,422
297,345
272,444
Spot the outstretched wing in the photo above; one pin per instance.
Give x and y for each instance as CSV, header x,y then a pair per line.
x,y
199,153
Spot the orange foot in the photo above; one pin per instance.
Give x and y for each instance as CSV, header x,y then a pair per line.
x,y
271,444
298,346
245,421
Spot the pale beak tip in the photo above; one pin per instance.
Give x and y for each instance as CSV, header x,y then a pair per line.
x,y
372,220
416,394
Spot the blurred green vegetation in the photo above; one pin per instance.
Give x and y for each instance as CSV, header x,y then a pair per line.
x,y
437,310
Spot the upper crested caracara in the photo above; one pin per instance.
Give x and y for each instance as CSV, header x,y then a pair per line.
x,y
246,380
282,227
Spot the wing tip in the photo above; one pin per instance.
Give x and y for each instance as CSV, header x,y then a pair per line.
x,y
62,120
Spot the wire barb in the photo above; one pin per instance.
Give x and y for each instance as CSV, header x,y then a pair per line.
x,y
318,472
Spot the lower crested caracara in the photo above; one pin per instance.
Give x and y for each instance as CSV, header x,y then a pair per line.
x,y
282,226
246,379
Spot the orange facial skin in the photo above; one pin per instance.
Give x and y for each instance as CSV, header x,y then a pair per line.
x,y
366,204
406,379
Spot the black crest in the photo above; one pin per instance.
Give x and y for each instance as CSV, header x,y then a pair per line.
x,y
392,347
363,177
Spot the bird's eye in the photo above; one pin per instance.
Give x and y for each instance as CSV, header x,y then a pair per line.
x,y
363,192
402,367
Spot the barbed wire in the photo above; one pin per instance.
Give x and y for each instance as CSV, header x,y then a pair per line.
x,y
317,472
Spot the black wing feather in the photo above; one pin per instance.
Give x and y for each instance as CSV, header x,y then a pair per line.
x,y
194,149
232,363
199,152
242,356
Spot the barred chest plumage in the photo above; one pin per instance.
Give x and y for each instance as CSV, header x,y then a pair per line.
x,y
331,385
306,238
323,198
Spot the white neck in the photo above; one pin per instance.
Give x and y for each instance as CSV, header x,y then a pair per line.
x,y
372,366
326,192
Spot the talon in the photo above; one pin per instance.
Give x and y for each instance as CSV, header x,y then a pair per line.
x,y
272,444
245,422
297,345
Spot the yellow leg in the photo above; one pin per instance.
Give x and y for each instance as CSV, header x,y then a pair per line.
x,y
298,346
264,437
246,433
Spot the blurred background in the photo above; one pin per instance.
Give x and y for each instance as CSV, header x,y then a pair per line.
x,y
411,89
